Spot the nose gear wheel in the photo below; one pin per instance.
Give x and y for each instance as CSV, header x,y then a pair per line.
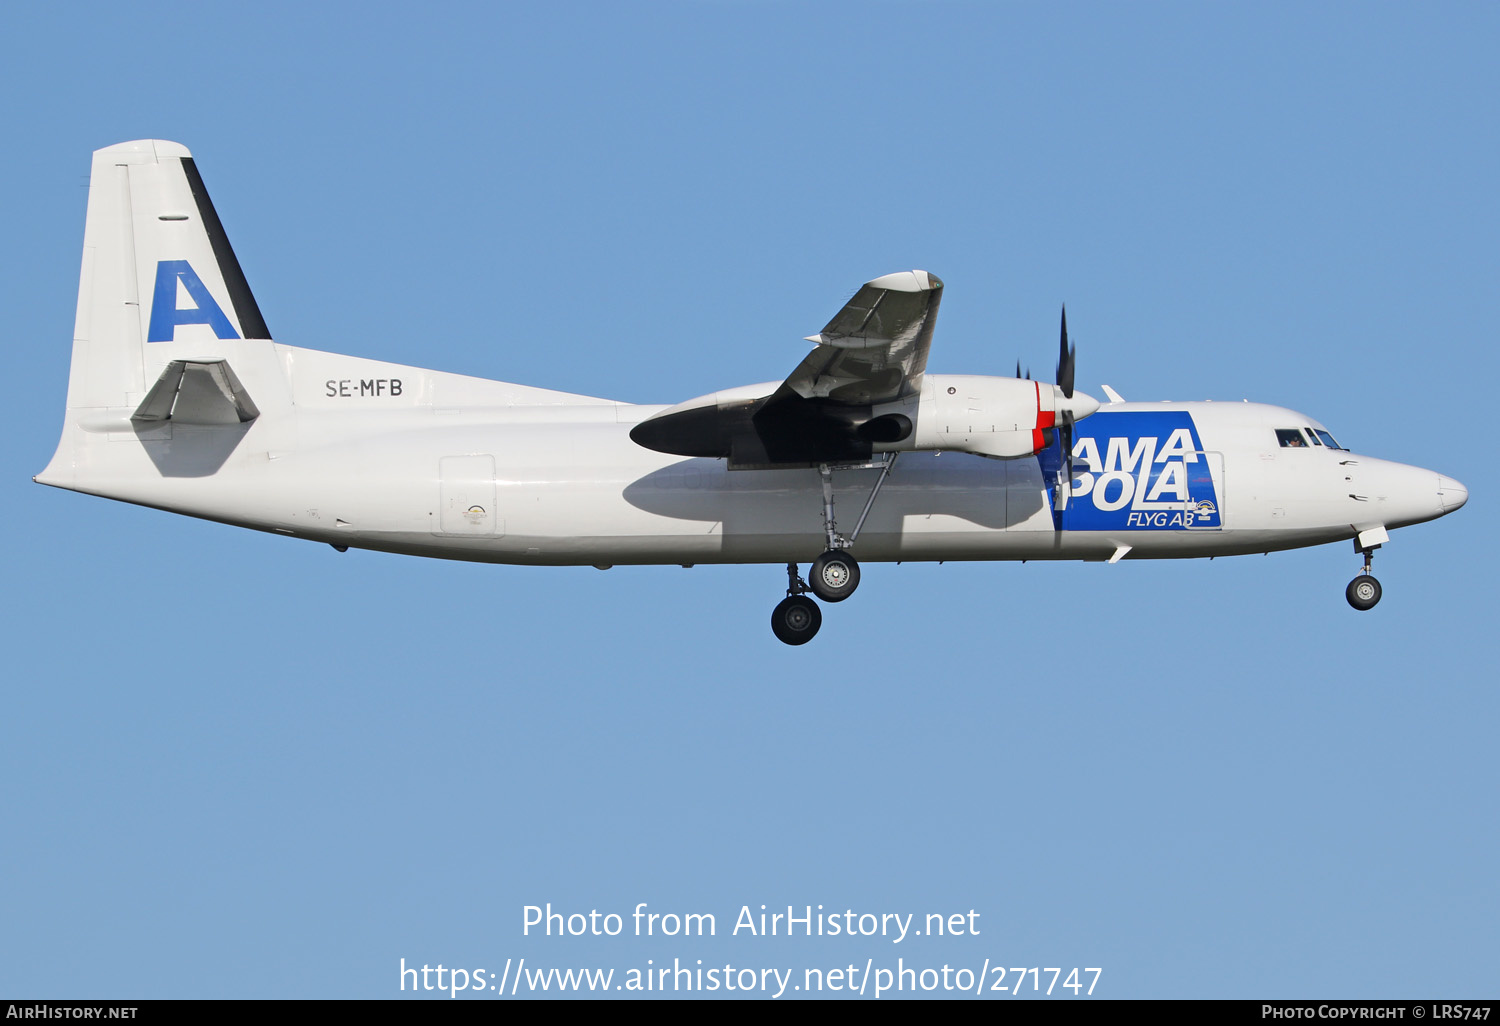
x,y
1364,591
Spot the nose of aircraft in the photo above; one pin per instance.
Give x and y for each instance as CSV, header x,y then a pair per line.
x,y
1451,494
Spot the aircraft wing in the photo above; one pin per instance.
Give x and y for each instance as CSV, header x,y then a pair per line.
x,y
873,351
875,348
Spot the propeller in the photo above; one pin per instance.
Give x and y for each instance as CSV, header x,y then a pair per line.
x,y
1068,411
1065,364
1065,359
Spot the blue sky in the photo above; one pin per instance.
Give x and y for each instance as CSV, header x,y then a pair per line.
x,y
236,765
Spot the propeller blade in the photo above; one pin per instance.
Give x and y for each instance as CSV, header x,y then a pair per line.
x,y
1065,359
1065,433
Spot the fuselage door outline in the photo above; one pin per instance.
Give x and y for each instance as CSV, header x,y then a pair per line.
x,y
1205,481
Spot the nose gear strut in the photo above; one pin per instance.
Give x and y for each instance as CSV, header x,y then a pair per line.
x,y
1364,591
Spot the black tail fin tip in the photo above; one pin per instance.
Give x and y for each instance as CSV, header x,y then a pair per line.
x,y
246,310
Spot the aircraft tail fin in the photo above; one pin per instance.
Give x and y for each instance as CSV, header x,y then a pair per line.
x,y
160,281
166,326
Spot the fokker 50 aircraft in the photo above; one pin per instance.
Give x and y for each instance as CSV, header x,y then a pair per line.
x,y
178,399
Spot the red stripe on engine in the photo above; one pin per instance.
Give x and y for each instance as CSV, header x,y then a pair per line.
x,y
1044,419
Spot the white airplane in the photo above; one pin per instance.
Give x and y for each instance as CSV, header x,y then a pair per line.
x,y
179,400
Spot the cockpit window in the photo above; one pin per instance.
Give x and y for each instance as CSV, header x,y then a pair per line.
x,y
1314,436
1290,438
1327,439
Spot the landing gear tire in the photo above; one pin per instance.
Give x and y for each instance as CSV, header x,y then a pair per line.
x,y
1363,592
796,619
834,576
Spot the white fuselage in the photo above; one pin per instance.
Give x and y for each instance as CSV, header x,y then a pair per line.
x,y
439,465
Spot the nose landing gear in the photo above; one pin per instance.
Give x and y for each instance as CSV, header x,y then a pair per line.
x,y
1364,591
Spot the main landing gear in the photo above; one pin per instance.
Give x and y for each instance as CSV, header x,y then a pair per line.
x,y
1364,591
796,618
835,574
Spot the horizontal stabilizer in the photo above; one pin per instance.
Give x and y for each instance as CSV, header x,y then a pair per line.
x,y
198,392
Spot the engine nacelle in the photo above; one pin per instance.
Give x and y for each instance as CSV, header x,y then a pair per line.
x,y
760,426
1006,418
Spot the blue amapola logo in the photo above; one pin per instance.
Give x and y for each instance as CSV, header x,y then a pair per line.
x,y
1138,471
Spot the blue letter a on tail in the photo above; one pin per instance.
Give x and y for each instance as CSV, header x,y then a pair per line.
x,y
165,317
